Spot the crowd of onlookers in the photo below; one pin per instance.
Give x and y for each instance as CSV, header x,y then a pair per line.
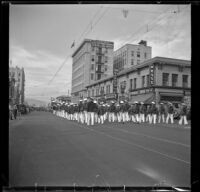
x,y
16,110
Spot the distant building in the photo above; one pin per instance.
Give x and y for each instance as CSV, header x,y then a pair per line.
x,y
64,98
130,55
92,61
157,79
16,85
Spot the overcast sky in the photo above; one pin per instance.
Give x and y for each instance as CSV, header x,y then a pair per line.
x,y
41,37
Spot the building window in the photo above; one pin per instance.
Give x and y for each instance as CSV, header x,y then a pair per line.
x,y
132,61
108,89
147,81
132,53
92,76
131,83
93,48
97,91
92,58
185,81
138,62
98,76
106,59
174,80
145,55
88,93
92,92
99,59
143,81
102,91
135,83
138,54
92,67
165,79
105,68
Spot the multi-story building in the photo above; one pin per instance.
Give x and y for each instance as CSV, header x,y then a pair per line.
x,y
157,79
16,85
92,61
130,55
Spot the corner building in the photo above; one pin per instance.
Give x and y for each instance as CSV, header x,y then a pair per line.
x,y
158,79
92,61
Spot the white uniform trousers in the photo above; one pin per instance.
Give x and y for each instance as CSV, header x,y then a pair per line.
x,y
170,116
154,117
111,117
149,118
126,116
85,116
137,116
183,119
102,119
161,116
123,116
119,117
133,118
142,117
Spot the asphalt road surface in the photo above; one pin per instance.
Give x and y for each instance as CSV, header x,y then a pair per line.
x,y
47,150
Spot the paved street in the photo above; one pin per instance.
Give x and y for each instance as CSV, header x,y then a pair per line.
x,y
49,150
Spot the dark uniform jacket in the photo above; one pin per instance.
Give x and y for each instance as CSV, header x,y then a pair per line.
x,y
131,110
101,110
142,109
137,109
154,109
80,107
183,110
112,108
170,109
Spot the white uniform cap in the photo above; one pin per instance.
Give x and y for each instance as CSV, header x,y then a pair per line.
x,y
95,101
121,102
85,99
153,102
135,102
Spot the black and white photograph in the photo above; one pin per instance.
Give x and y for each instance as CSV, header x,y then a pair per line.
x,y
100,95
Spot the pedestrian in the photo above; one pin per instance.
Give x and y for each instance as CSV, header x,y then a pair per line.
x,y
154,112
85,112
15,111
10,112
136,111
161,113
148,114
111,116
131,112
170,112
142,111
183,114
127,106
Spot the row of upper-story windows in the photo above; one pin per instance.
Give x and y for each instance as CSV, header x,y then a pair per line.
x,y
99,91
174,80
138,54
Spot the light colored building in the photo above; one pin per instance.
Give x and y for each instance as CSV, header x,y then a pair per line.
x,y
17,85
157,79
92,61
130,55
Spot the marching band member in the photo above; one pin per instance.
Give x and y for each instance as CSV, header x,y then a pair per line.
x,y
183,114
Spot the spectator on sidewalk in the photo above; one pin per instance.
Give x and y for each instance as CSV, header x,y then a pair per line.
x,y
15,111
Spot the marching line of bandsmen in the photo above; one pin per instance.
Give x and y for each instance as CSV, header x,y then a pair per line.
x,y
90,111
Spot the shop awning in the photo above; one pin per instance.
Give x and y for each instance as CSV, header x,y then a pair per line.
x,y
146,98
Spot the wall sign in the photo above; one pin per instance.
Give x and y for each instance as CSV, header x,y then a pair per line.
x,y
151,75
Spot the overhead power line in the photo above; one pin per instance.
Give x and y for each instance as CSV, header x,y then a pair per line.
x,y
63,63
89,24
